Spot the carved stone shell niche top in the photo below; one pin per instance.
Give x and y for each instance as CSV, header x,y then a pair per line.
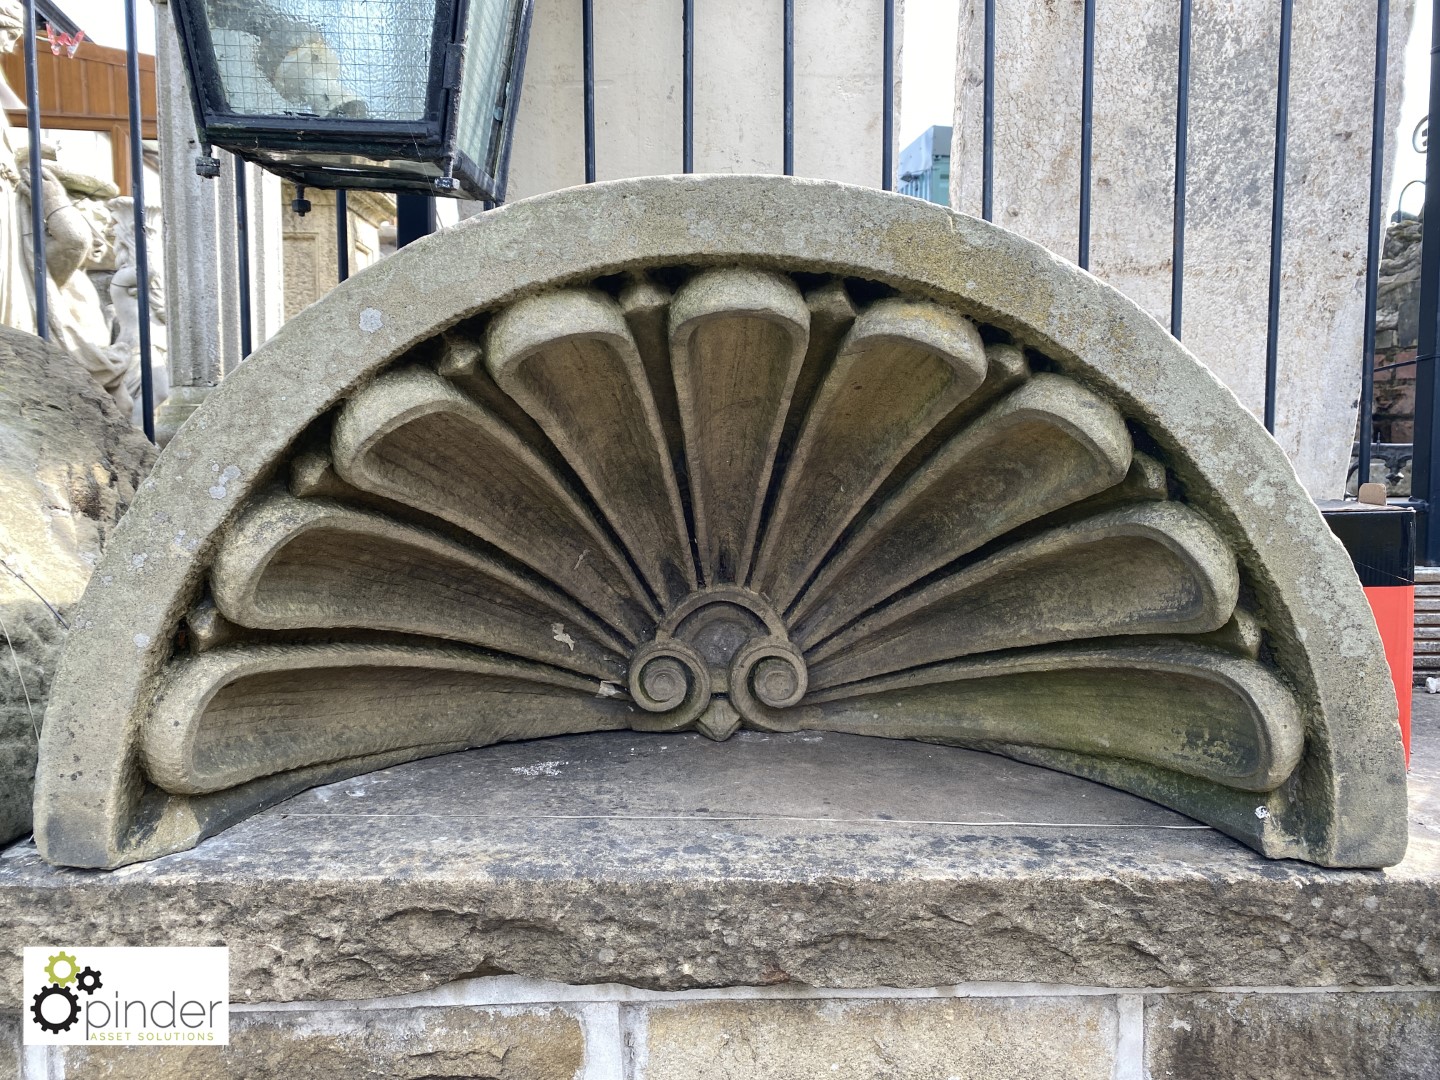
x,y
711,453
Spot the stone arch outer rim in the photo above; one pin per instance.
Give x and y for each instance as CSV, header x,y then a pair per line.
x,y
326,352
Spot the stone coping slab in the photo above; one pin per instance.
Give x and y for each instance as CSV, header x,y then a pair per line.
x,y
673,862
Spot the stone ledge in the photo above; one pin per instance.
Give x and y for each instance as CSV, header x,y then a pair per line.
x,y
672,862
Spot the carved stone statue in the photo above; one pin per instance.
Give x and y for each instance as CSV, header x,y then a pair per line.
x,y
78,318
124,298
712,453
78,223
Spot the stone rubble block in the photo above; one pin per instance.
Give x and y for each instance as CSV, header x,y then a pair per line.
x,y
1056,1038
1279,1036
528,1043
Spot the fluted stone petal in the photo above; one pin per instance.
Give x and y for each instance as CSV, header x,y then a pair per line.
x,y
242,713
902,368
413,438
1156,568
300,564
568,359
1048,444
737,340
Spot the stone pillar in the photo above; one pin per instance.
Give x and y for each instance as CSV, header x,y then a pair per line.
x,y
202,278
229,281
1231,159
192,250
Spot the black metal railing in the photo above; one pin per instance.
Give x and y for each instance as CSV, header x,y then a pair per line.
x,y
1426,474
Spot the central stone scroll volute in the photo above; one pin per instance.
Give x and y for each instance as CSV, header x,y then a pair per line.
x,y
720,657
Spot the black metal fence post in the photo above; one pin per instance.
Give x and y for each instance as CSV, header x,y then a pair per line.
x,y
587,58
987,132
242,254
687,88
1424,478
789,82
1087,132
1277,212
1372,249
137,192
37,180
887,100
342,235
1182,157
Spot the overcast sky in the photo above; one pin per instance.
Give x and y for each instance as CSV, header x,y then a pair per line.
x,y
927,96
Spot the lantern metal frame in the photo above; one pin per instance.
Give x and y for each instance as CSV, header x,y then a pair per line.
x,y
429,141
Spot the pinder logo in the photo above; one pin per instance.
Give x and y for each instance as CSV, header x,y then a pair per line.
x,y
139,996
56,1006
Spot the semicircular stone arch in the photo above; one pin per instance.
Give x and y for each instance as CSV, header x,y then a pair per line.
x,y
711,453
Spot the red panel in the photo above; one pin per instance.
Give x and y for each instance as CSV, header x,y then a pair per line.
x,y
1394,608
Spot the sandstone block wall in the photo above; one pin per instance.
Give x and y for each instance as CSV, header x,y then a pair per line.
x,y
509,1028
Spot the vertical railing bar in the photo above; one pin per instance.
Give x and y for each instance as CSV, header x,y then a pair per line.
x,y
137,202
37,181
987,135
1182,154
1372,251
1277,212
242,253
342,234
587,36
1087,128
789,87
1424,479
887,100
688,84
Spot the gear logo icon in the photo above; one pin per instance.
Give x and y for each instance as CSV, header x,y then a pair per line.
x,y
62,969
47,1023
56,1007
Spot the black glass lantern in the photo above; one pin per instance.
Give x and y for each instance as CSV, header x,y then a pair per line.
x,y
386,95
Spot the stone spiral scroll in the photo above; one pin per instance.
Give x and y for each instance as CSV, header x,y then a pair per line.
x,y
711,454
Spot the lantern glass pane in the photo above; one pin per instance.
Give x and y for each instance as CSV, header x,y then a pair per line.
x,y
489,59
351,59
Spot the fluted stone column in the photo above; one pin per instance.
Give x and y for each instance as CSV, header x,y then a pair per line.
x,y
192,248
